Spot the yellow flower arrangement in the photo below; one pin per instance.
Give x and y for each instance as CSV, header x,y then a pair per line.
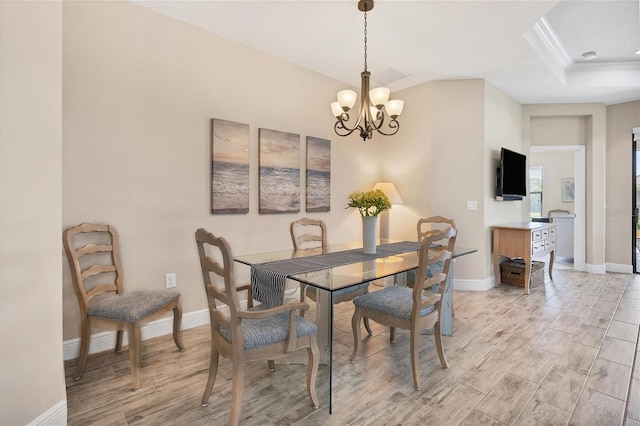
x,y
370,203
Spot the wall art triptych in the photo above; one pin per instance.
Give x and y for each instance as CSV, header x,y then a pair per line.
x,y
279,170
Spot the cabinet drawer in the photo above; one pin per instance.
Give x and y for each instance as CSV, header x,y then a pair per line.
x,y
545,234
552,234
537,236
537,247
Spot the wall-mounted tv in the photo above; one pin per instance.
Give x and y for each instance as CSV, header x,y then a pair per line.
x,y
512,176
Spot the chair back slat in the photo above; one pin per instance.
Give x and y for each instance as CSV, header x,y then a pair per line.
x,y
93,248
96,270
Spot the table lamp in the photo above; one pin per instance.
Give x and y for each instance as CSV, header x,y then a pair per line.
x,y
392,193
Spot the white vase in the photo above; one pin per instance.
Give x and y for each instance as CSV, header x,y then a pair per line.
x,y
369,234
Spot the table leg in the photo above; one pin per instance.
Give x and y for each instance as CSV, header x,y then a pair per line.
x,y
446,305
527,270
323,321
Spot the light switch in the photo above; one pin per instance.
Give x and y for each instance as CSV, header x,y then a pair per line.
x,y
472,205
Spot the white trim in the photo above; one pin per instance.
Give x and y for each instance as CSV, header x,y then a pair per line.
x,y
595,269
619,268
636,133
54,416
549,48
474,285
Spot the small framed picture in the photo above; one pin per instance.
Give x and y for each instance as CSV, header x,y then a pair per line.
x,y
568,190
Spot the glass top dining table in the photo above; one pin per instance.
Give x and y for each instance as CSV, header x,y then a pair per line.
x,y
330,279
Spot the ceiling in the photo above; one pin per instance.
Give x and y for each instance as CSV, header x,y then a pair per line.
x,y
531,50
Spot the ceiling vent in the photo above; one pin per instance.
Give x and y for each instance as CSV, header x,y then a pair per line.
x,y
388,76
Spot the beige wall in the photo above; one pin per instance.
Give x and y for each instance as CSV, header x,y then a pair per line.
x,y
621,119
140,90
556,165
31,365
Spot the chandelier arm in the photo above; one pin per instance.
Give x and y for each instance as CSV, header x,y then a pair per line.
x,y
340,126
393,124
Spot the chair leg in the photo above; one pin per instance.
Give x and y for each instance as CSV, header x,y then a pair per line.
x,y
438,335
119,339
312,371
272,365
177,320
355,325
213,371
134,353
365,320
237,388
415,367
392,334
84,348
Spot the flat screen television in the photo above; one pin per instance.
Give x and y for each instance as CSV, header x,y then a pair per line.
x,y
512,175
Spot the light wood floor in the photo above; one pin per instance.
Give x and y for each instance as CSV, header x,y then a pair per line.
x,y
563,355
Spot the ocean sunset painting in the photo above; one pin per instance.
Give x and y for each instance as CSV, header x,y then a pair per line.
x,y
318,174
279,172
229,167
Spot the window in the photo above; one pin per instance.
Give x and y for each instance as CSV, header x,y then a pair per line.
x,y
535,191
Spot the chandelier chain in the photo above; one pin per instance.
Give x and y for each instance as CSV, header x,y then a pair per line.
x,y
365,40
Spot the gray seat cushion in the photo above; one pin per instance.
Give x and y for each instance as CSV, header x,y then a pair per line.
x,y
267,331
395,301
133,306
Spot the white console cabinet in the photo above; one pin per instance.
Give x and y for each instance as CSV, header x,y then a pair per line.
x,y
564,235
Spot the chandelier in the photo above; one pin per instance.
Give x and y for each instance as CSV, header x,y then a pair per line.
x,y
373,104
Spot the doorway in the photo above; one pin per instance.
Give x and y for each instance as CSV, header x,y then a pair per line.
x,y
579,200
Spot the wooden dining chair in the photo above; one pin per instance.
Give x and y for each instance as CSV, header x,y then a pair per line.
x,y
93,253
409,308
257,333
311,235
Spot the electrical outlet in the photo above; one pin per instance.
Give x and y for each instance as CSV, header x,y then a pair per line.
x,y
170,280
472,205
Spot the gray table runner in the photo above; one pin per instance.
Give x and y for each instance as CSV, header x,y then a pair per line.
x,y
268,279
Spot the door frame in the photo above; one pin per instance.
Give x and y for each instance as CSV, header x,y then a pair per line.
x,y
580,208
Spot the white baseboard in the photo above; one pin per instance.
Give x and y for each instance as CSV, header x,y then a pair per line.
x,y
619,268
54,416
595,269
106,340
474,285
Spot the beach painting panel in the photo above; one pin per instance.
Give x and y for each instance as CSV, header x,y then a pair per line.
x,y
318,174
279,172
229,167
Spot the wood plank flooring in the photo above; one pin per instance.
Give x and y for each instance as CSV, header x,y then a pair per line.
x,y
565,354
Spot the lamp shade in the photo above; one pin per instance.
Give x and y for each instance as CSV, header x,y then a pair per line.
x,y
379,96
394,108
390,191
346,99
336,109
